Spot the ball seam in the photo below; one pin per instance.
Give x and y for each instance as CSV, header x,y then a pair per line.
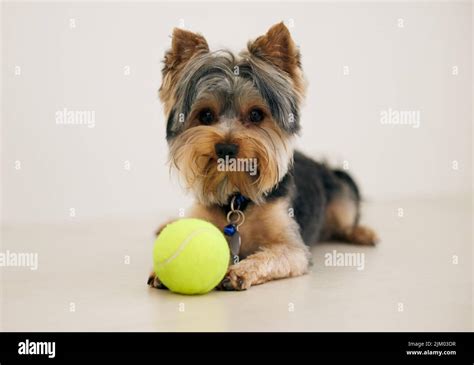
x,y
182,246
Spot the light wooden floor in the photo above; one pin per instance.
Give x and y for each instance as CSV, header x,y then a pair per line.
x,y
409,282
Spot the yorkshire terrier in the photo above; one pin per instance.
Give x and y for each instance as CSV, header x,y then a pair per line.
x,y
222,107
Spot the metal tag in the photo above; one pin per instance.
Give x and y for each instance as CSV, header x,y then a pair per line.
x,y
234,243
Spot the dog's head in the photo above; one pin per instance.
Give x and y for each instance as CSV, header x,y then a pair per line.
x,y
224,109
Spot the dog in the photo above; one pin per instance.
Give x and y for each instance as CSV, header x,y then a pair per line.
x,y
221,107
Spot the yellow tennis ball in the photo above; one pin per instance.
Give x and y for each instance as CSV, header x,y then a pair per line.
x,y
191,256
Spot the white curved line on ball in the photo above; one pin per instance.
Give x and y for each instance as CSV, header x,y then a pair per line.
x,y
183,245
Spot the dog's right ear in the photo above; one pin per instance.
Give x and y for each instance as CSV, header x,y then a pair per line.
x,y
184,46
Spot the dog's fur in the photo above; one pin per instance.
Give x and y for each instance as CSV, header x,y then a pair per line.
x,y
252,102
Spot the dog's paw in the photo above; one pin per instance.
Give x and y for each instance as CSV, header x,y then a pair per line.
x,y
239,277
154,282
365,236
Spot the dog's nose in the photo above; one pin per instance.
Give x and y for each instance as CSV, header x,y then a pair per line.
x,y
226,149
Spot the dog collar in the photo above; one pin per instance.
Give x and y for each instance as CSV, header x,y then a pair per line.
x,y
237,202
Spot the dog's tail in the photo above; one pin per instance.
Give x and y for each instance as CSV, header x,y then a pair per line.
x,y
346,226
347,180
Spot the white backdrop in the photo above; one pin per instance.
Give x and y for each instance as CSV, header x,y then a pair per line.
x,y
361,59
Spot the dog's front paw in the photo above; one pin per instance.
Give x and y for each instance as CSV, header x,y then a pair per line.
x,y
154,282
239,277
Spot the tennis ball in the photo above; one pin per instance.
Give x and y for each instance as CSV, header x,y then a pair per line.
x,y
191,256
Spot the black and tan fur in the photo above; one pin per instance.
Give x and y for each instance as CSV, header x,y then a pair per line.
x,y
294,201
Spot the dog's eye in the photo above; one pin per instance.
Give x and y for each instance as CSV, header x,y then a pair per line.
x,y
256,116
206,116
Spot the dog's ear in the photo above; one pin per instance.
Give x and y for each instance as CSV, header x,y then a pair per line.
x,y
184,46
278,48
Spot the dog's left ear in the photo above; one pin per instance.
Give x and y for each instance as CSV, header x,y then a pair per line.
x,y
278,48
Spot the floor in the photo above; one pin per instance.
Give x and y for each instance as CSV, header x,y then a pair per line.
x,y
91,277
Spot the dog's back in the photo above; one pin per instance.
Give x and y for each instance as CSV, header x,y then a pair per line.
x,y
326,202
